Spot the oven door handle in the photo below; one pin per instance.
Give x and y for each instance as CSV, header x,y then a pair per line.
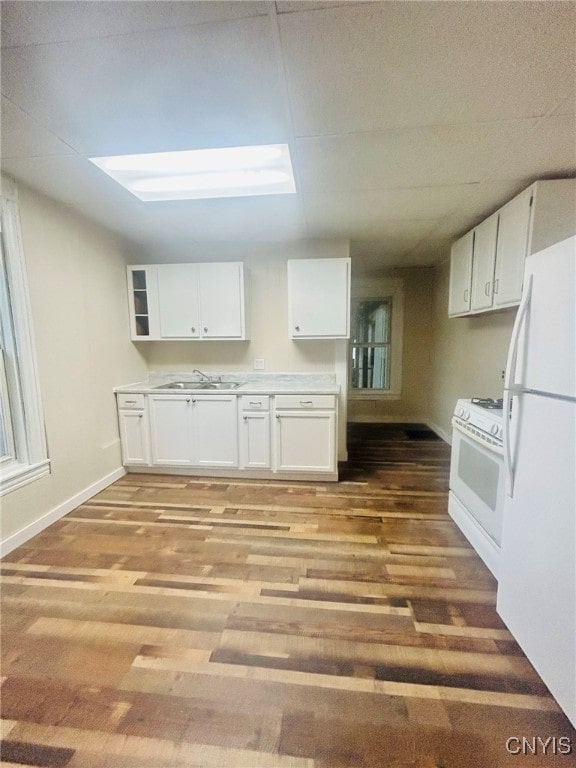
x,y
510,384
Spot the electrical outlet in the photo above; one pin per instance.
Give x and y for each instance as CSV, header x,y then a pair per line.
x,y
259,364
503,375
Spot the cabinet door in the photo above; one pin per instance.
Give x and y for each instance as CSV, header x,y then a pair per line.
x,y
511,250
178,301
483,263
134,437
319,298
171,429
461,275
215,430
222,300
305,441
255,440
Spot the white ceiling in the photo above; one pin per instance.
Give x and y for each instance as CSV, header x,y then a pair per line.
x,y
408,122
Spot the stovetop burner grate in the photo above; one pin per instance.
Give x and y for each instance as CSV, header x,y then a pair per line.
x,y
487,402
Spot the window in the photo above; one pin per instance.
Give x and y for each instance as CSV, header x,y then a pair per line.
x,y
371,344
23,455
376,345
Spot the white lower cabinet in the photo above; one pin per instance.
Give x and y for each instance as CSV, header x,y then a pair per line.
x,y
305,433
134,430
171,430
283,435
214,431
134,437
254,426
194,430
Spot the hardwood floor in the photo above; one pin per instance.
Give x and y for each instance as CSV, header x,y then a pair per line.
x,y
174,622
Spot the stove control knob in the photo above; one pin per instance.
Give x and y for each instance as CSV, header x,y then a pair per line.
x,y
494,430
466,415
459,411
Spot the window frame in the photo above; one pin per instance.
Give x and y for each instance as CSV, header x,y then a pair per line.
x,y
21,396
381,290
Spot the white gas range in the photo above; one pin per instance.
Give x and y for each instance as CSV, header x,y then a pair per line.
x,y
477,475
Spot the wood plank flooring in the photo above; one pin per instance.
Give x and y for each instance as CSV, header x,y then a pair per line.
x,y
178,622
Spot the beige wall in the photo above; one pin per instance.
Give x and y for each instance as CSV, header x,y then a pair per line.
x,y
412,405
468,354
76,275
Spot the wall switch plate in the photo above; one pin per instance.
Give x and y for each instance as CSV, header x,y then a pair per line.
x,y
259,364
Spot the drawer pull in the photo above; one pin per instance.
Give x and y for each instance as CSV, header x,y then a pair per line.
x,y
306,402
130,402
256,402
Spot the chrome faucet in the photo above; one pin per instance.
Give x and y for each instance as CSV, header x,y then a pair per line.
x,y
205,376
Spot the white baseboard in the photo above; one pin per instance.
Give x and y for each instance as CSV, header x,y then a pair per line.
x,y
440,432
32,529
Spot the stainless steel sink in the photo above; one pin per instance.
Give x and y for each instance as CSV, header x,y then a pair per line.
x,y
201,385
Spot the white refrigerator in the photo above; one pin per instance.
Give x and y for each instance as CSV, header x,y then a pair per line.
x,y
537,582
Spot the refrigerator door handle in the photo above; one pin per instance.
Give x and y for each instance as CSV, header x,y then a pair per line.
x,y
510,383
510,377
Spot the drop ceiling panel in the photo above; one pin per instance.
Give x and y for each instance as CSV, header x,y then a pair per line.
x,y
402,204
23,137
545,149
384,65
363,215
200,86
50,22
425,156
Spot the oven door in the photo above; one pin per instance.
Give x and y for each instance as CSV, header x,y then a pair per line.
x,y
477,480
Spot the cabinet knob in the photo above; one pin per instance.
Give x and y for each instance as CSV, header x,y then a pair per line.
x,y
140,415
187,399
296,327
205,329
193,329
245,418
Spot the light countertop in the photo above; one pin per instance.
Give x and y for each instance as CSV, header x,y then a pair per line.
x,y
253,383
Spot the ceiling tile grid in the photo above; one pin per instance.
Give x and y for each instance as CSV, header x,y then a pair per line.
x,y
407,121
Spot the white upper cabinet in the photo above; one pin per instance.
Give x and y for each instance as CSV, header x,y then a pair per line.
x,y
187,301
483,264
319,298
178,301
221,290
460,275
489,260
513,234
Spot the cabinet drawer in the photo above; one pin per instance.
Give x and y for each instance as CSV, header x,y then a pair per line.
x,y
301,402
255,402
130,401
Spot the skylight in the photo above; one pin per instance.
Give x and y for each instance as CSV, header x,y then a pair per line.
x,y
203,173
